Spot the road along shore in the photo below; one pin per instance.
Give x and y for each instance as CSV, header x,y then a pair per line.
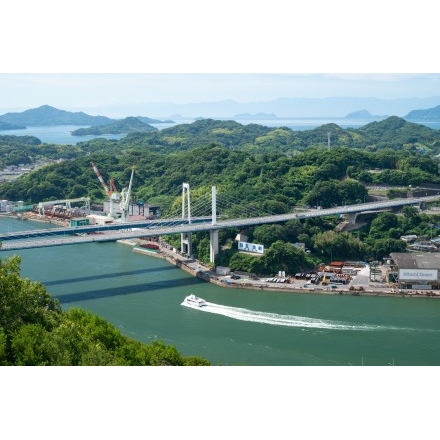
x,y
206,273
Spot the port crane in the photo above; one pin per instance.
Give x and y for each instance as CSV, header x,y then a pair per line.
x,y
125,198
110,190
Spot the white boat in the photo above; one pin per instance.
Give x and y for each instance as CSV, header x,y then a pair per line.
x,y
194,301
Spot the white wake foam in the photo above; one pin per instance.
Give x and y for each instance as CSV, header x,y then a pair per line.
x,y
284,320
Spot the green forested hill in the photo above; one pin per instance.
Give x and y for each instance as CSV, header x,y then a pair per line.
x,y
256,163
257,168
230,134
126,125
252,178
392,133
18,141
395,132
252,160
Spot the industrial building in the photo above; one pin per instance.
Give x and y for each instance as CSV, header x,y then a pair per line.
x,y
416,271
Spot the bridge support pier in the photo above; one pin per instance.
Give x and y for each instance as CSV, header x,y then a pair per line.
x,y
186,243
213,234
213,245
351,217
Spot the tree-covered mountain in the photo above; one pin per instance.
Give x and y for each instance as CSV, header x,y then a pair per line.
x,y
430,114
127,125
256,168
184,137
47,115
393,132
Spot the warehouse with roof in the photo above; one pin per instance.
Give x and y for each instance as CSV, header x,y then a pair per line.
x,y
414,270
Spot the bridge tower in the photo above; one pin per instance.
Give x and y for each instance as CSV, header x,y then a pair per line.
x,y
213,233
125,198
186,237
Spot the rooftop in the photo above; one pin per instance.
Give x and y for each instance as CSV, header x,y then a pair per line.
x,y
416,260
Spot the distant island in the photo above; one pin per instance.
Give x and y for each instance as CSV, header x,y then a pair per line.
x,y
47,115
430,114
127,125
7,126
364,114
255,116
153,121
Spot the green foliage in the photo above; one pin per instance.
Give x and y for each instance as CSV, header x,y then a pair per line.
x,y
247,263
258,169
127,125
382,247
287,257
383,223
268,234
22,301
278,256
35,331
217,153
333,245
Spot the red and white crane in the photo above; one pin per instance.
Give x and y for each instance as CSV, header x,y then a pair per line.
x,y
111,191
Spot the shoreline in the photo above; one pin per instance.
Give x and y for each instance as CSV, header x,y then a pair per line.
x,y
205,273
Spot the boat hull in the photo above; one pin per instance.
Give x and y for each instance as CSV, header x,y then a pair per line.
x,y
194,302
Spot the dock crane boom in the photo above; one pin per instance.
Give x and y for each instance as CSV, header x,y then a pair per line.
x,y
112,192
108,191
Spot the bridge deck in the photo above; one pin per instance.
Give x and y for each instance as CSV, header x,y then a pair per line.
x,y
118,231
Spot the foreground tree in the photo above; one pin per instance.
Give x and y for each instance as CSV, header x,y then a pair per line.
x,y
34,330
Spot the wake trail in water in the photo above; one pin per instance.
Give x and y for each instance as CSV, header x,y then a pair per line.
x,y
285,320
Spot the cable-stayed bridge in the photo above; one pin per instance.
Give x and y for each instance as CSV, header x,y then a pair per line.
x,y
200,216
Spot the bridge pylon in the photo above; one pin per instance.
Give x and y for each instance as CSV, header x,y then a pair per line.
x,y
186,237
213,234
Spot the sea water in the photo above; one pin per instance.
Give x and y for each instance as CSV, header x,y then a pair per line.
x,y
142,296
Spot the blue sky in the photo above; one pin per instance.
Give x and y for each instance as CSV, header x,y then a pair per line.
x,y
78,91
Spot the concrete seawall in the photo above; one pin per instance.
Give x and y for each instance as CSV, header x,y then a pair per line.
x,y
197,269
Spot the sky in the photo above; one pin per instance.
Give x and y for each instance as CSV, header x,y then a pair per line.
x,y
88,91
87,56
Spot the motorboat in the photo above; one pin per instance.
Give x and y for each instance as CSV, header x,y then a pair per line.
x,y
194,301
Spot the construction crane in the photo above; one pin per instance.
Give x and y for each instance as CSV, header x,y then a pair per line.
x,y
125,198
111,191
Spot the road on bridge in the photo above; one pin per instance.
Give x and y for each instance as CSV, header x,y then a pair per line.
x,y
124,231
